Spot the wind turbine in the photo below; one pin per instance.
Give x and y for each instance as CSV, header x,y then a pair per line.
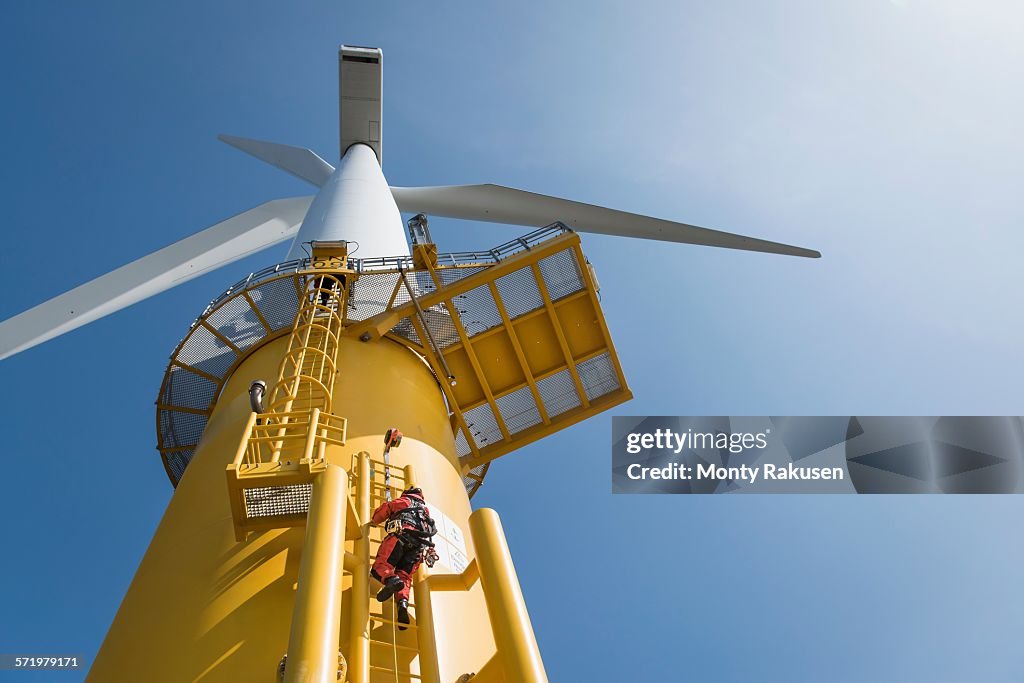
x,y
472,355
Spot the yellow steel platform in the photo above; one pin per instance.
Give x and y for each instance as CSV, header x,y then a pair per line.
x,y
515,336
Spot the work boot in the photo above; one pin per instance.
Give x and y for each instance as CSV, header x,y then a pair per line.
x,y
391,586
403,613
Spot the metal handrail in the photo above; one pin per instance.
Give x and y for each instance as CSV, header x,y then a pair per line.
x,y
305,432
395,263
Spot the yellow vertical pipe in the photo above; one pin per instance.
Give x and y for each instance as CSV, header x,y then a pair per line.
x,y
506,609
359,642
425,636
426,640
316,620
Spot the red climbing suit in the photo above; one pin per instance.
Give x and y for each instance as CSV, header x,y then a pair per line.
x,y
395,558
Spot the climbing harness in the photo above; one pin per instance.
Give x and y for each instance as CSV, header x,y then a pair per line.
x,y
415,521
414,528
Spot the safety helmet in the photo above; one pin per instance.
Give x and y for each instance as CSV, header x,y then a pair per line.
x,y
414,491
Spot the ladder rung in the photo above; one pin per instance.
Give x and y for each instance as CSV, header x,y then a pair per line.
x,y
411,627
407,648
392,671
396,471
381,614
397,490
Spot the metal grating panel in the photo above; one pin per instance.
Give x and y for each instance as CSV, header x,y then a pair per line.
x,y
561,274
186,389
518,291
278,301
405,330
483,426
519,410
176,428
461,445
420,282
236,320
443,330
277,501
452,275
370,293
598,376
177,461
477,310
558,393
205,352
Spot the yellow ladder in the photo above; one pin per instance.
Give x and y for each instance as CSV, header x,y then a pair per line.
x,y
306,375
391,655
284,448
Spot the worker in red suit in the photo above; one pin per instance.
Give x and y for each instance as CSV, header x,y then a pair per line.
x,y
409,529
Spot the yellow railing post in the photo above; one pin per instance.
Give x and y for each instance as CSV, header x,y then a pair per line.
x,y
506,609
311,434
243,446
359,643
316,619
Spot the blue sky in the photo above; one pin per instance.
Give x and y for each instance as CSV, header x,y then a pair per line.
x,y
884,133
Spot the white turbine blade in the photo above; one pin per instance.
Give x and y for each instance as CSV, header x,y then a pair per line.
x,y
301,162
225,242
497,204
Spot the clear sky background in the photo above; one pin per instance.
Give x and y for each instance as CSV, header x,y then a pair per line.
x,y
886,134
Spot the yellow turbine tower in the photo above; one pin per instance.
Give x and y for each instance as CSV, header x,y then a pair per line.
x,y
272,414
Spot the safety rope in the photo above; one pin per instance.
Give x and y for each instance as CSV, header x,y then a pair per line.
x,y
392,438
387,475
